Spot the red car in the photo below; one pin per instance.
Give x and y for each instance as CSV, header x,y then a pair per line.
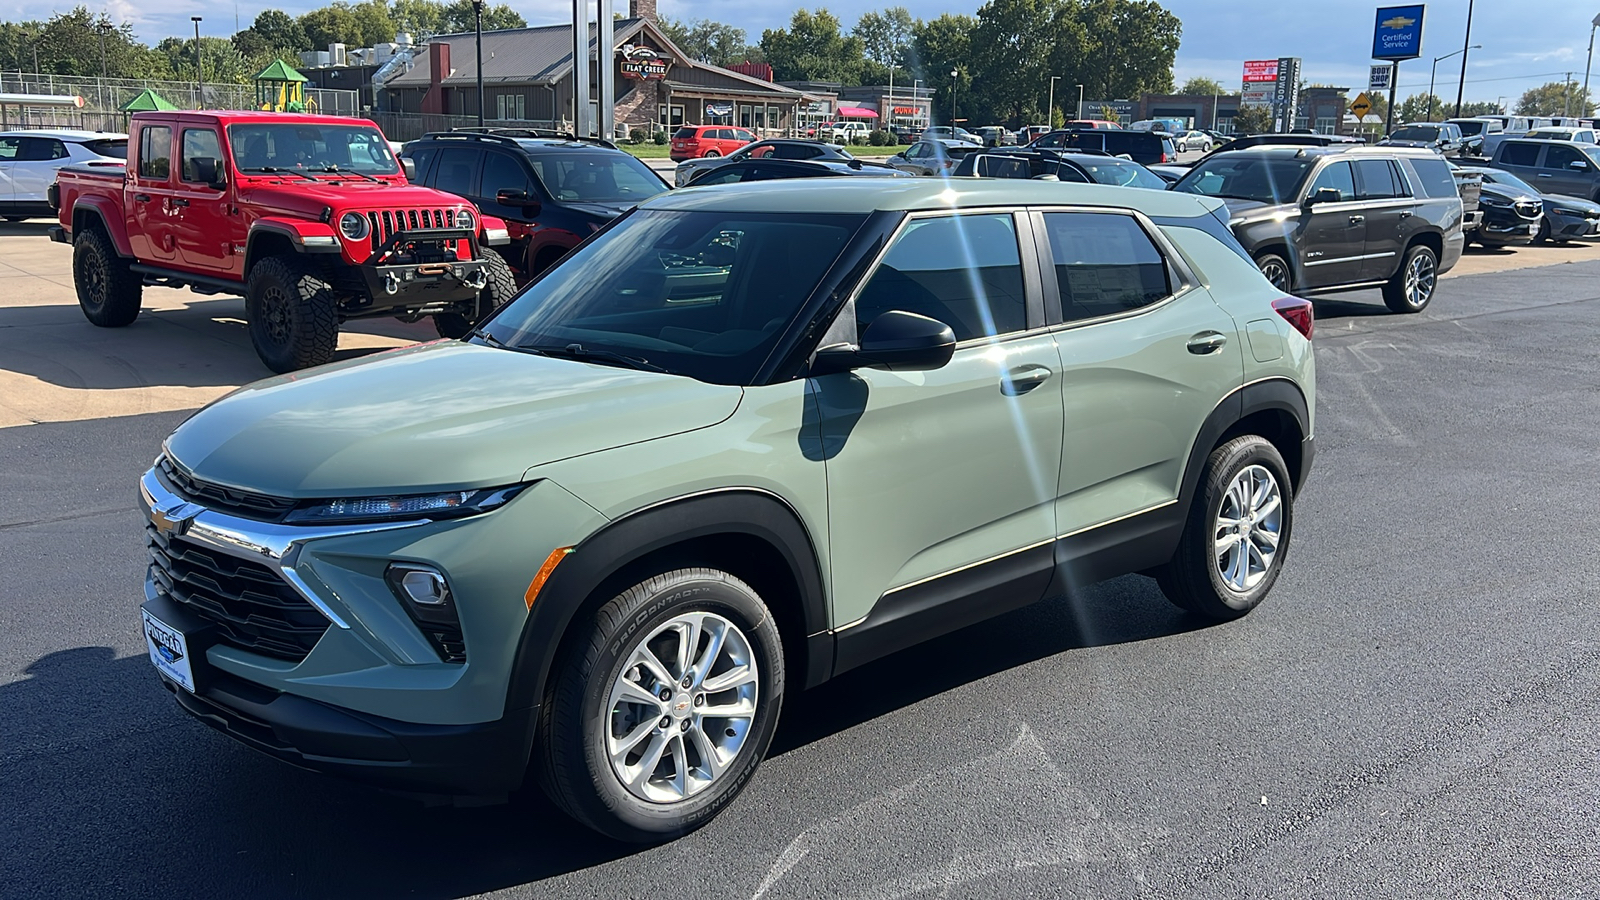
x,y
695,141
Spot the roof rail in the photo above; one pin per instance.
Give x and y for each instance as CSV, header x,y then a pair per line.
x,y
525,133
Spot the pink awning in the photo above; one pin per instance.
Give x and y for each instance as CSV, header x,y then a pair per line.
x,y
856,112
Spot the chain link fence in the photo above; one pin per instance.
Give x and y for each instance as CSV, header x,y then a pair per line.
x,y
104,97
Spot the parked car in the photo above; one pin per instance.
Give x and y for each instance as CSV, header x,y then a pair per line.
x,y
932,156
1090,125
1164,126
1084,168
1511,215
1562,133
1441,137
1473,132
996,136
1319,219
843,132
1510,127
1028,133
771,169
1169,173
772,148
309,218
675,479
1143,147
552,192
1190,140
29,161
947,133
1555,167
1564,218
694,141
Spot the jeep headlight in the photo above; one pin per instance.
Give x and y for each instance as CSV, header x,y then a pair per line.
x,y
354,226
445,505
466,221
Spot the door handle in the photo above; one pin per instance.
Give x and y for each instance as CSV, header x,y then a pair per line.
x,y
1542,175
141,198
179,201
1357,220
1023,379
1207,342
1405,213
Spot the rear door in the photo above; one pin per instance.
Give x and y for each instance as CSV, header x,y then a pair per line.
x,y
1331,235
1390,211
150,193
35,167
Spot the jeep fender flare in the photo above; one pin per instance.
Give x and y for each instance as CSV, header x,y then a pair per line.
x,y
746,512
87,210
275,232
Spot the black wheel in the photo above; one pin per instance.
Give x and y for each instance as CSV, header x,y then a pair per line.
x,y
1276,270
502,285
108,289
1411,288
1543,234
1237,536
661,714
294,322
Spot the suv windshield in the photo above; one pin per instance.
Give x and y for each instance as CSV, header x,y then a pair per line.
x,y
596,176
1416,133
314,148
702,294
1260,178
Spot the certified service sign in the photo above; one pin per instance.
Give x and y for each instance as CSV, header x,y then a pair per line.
x,y
1398,33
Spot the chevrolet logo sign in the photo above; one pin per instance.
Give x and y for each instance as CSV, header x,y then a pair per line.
x,y
175,520
1398,22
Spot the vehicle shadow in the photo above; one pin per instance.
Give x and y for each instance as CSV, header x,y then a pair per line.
x,y
29,228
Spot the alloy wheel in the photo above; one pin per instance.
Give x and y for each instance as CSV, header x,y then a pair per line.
x,y
1421,278
1277,273
681,708
1248,528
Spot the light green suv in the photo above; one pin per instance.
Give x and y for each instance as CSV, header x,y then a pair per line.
x,y
740,441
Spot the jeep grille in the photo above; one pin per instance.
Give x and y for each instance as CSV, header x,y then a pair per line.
x,y
389,221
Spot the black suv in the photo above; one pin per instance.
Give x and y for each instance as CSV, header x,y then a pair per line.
x,y
1319,219
1082,168
553,190
1143,147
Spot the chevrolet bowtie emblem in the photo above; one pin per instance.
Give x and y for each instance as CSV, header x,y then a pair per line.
x,y
1398,22
175,520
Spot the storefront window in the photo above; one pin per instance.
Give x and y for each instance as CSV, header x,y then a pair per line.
x,y
676,115
746,117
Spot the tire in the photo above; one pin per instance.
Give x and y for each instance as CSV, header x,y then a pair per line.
x,y
1543,234
294,322
1402,294
16,218
501,287
712,154
1271,265
596,696
1212,584
108,288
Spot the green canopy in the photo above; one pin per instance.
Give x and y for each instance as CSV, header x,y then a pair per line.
x,y
147,101
279,71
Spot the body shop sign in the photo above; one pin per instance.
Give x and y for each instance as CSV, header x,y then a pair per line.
x,y
644,64
1398,32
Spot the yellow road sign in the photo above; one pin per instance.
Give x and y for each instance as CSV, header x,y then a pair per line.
x,y
1360,106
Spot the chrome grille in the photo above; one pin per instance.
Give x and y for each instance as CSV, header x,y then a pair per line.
x,y
386,223
1529,210
248,504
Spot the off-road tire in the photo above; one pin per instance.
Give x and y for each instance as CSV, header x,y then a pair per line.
x,y
1396,293
570,758
1191,580
108,288
293,314
501,287
1265,261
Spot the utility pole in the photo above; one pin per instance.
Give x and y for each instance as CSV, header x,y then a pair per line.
x,y
102,27
953,126
1050,105
1080,103
1462,85
199,70
477,27
1394,80
1588,64
1566,95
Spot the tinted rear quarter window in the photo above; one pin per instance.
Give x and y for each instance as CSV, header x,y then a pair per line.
x,y
116,148
1433,177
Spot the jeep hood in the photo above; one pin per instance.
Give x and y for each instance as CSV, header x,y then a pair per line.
x,y
436,416
308,200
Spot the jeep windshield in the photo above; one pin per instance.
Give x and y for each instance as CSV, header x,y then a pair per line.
x,y
597,176
1264,179
702,294
302,148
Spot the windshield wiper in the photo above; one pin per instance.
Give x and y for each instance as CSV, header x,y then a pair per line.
x,y
582,354
335,170
274,170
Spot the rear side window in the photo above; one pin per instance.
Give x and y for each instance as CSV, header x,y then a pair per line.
x,y
1433,176
685,133
1519,154
457,166
116,148
1105,264
1378,179
964,271
41,150
8,147
155,152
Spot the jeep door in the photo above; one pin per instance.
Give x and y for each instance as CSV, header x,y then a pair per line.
x,y
1331,235
1391,216
942,482
1146,355
210,231
151,225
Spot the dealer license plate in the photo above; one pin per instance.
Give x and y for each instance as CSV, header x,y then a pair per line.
x,y
169,651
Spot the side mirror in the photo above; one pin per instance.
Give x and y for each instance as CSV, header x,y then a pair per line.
x,y
529,205
207,171
1323,195
1578,164
896,340
409,167
901,154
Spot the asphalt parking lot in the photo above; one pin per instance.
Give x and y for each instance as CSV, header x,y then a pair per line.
x,y
1415,712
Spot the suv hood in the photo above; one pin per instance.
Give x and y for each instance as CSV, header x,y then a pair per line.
x,y
1251,210
438,416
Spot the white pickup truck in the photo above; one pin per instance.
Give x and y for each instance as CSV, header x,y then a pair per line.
x,y
843,132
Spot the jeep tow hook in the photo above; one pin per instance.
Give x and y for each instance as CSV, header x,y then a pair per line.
x,y
391,283
477,279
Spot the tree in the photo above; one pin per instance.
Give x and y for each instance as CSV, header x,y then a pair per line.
x,y
1012,50
813,48
273,30
707,41
220,60
1252,120
1129,47
1415,109
69,44
336,24
885,36
1200,87
1555,98
939,46
1481,108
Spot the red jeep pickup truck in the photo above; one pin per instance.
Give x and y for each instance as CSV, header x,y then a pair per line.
x,y
310,218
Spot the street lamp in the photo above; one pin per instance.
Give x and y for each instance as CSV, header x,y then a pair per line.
x,y
104,27
1435,68
199,72
1080,103
1050,106
477,27
1592,26
953,74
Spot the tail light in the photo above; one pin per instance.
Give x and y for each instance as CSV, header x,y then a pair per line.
x,y
1298,313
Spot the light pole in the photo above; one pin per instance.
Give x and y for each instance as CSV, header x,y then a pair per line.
x,y
916,100
1592,26
1435,69
477,27
1462,85
1050,105
953,74
199,71
1080,103
104,27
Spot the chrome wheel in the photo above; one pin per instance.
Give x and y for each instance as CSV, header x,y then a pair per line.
x,y
1276,272
681,708
1421,277
1248,527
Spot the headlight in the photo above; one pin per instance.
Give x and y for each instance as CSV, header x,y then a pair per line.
x,y
1487,200
466,220
1569,212
353,226
448,505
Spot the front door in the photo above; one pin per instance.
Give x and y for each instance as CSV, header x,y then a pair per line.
x,y
149,196
1565,170
1332,233
8,158
210,233
932,473
35,167
1390,210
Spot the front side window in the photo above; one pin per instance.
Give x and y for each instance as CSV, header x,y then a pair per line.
x,y
964,271
1338,177
9,147
701,294
155,152
199,143
1105,264
311,148
502,172
1560,157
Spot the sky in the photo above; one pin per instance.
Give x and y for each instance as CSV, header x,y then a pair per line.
x,y
1525,42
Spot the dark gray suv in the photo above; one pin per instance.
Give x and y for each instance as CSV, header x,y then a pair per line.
x,y
1318,219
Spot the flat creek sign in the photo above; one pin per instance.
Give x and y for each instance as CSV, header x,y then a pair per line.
x,y
644,64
